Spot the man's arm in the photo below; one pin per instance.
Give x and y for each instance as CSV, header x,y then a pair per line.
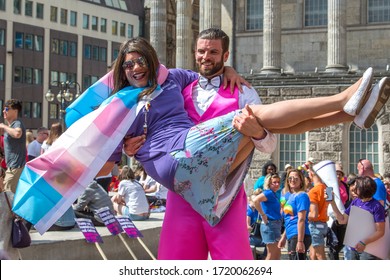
x,y
247,124
13,132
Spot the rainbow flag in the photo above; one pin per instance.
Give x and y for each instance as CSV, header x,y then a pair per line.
x,y
50,183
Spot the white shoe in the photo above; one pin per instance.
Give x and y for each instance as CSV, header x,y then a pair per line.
x,y
356,102
380,93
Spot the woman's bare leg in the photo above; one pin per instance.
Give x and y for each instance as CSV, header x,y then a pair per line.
x,y
321,121
288,113
245,148
273,251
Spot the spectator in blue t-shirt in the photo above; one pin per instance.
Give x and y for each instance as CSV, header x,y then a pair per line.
x,y
365,168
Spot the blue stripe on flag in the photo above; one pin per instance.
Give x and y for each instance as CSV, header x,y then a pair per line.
x,y
34,197
87,102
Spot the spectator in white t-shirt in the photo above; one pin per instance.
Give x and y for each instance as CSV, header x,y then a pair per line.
x,y
131,199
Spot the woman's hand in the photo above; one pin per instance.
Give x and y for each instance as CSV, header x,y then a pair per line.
x,y
264,218
131,145
282,243
247,124
300,248
360,246
230,75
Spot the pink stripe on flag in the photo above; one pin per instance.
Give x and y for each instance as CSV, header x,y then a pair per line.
x,y
108,80
61,175
116,112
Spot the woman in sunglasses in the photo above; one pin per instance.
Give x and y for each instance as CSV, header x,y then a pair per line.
x,y
296,206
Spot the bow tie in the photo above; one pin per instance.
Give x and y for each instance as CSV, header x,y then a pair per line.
x,y
210,84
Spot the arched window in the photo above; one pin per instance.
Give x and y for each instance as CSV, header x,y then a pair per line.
x,y
363,144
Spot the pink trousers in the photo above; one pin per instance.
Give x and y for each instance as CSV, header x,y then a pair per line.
x,y
185,235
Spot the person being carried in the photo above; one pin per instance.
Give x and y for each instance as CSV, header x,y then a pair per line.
x,y
197,161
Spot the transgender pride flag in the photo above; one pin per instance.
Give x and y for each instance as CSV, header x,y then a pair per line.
x,y
50,183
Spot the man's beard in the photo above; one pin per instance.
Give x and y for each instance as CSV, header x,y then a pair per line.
x,y
210,72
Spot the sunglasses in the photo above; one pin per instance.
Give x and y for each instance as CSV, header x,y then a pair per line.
x,y
130,64
6,109
290,179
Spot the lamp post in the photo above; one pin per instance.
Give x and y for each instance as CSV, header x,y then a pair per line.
x,y
64,96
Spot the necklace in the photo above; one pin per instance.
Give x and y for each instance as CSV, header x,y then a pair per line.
x,y
146,111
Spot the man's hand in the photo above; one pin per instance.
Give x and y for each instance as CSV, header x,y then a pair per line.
x,y
230,75
247,124
131,145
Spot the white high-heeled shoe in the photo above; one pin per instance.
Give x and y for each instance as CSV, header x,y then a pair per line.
x,y
380,93
356,102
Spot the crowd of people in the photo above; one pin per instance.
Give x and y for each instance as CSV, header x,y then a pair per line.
x,y
310,222
188,142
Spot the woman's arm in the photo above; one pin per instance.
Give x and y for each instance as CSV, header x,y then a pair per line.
x,y
230,75
301,231
248,223
313,213
379,232
257,202
282,241
106,169
341,218
185,77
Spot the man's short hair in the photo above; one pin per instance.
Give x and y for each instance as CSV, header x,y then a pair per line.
x,y
14,104
42,129
215,34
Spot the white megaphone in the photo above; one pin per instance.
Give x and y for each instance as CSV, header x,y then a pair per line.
x,y
326,170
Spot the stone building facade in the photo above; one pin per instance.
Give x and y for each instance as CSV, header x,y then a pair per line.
x,y
294,49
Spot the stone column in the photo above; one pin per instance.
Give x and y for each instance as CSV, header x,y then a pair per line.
x,y
272,37
209,14
184,57
337,36
158,28
228,26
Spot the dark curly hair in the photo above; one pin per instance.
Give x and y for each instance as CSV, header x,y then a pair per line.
x,y
14,104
